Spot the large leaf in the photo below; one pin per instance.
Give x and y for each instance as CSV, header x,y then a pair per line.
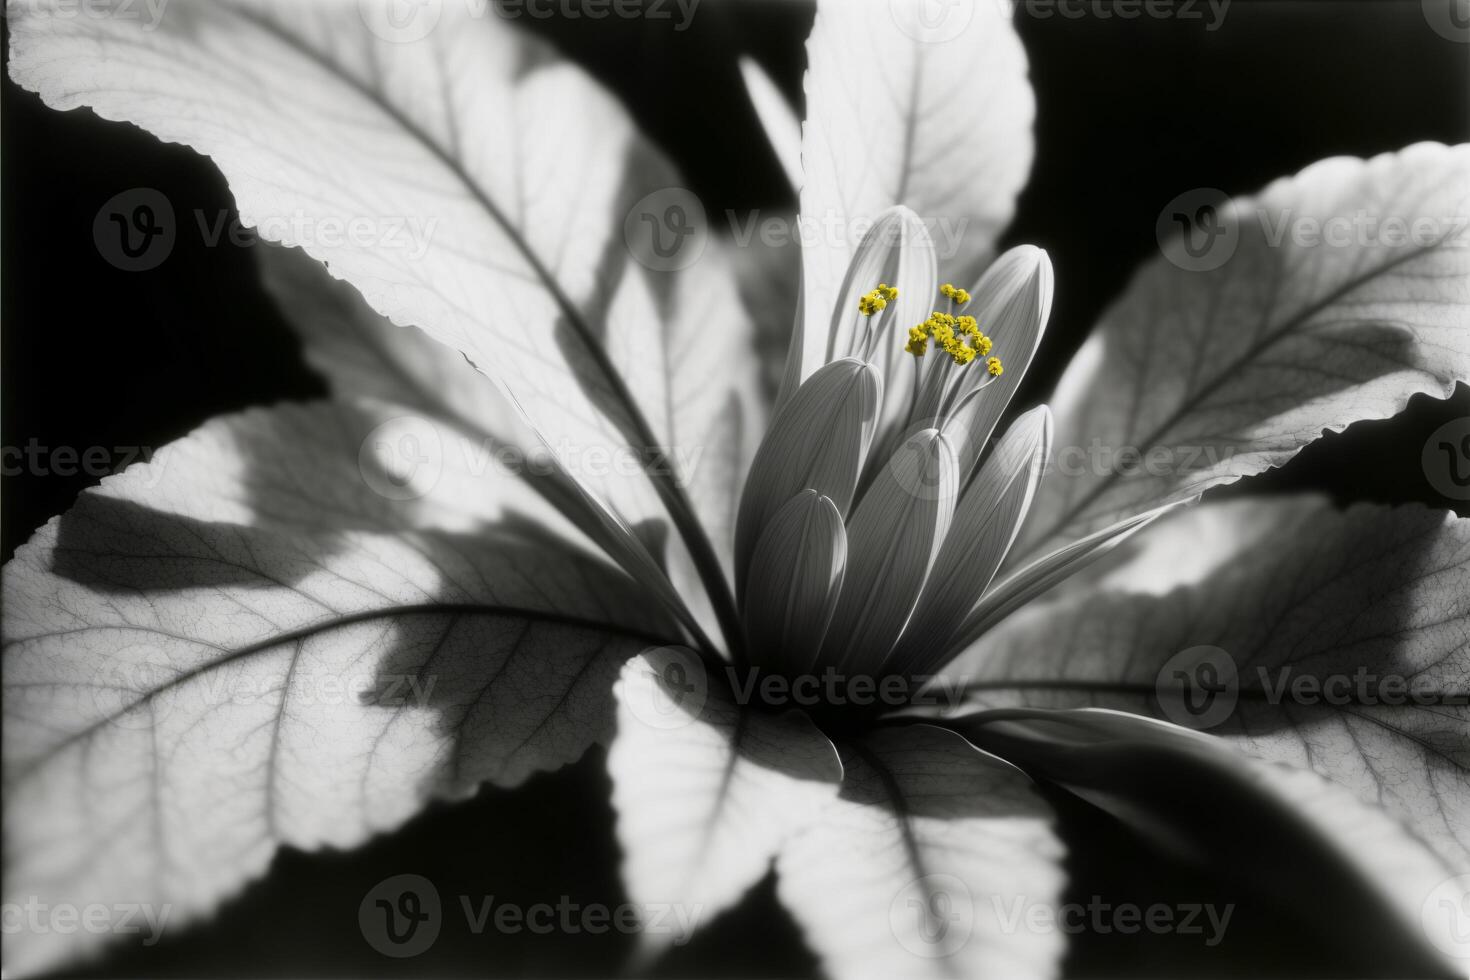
x,y
706,790
902,108
1331,297
419,162
1286,834
702,379
282,632
1338,642
916,870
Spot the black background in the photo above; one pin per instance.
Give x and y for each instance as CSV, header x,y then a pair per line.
x,y
1130,114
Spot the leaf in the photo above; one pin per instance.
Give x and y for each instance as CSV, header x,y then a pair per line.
x,y
1198,377
1300,840
1267,649
500,229
705,789
704,377
916,869
282,632
782,128
901,110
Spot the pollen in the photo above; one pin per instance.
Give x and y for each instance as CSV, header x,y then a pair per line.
x,y
953,293
873,301
918,341
994,366
886,292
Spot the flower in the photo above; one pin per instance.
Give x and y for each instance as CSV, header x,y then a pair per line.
x,y
869,671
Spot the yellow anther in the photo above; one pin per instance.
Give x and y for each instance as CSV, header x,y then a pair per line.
x,y
947,290
886,292
871,303
967,325
960,296
981,343
918,341
994,366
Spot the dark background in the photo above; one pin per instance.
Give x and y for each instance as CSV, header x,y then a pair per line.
x,y
1130,114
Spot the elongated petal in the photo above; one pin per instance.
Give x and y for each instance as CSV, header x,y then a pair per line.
x,y
896,250
1044,574
892,541
795,579
1012,303
817,442
985,524
904,110
778,119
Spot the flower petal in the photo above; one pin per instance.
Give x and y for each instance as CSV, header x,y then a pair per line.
x,y
985,524
892,541
1044,574
1012,303
818,441
796,577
